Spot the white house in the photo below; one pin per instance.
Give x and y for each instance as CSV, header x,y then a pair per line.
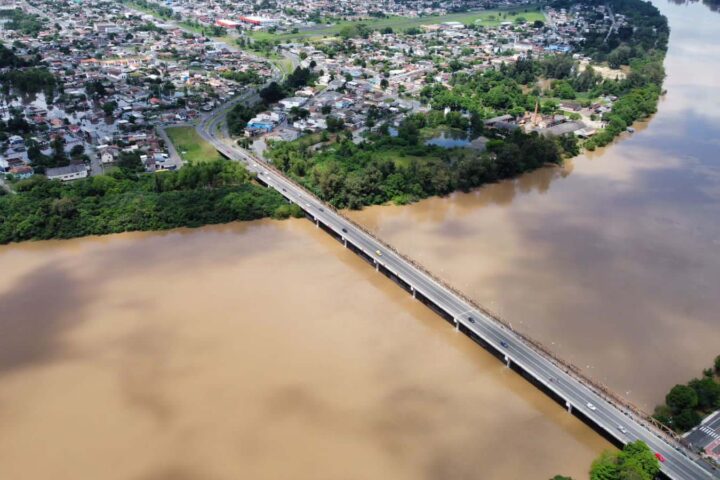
x,y
66,174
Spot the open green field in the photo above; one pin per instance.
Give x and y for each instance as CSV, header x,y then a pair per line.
x,y
191,146
486,18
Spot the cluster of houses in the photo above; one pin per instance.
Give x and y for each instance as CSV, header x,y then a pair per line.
x,y
121,75
290,14
387,71
125,75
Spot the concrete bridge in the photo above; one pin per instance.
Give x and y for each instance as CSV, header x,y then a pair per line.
x,y
615,419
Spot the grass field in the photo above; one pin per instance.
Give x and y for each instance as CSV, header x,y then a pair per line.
x,y
191,147
486,18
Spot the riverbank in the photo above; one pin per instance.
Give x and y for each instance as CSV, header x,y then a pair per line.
x,y
125,200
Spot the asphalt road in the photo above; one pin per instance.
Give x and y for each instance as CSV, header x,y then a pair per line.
x,y
616,420
706,433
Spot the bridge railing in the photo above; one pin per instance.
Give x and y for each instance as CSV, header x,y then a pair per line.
x,y
658,429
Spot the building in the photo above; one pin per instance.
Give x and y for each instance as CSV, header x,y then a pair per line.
x,y
22,172
288,103
260,126
225,23
259,21
66,174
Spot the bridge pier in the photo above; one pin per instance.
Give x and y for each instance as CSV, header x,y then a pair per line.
x,y
508,362
457,324
412,289
317,223
345,242
377,265
568,406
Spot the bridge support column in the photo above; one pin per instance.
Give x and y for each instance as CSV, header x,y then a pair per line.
x,y
317,223
345,242
412,289
377,266
508,362
568,406
457,324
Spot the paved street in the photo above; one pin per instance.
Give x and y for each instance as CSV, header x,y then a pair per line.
x,y
707,436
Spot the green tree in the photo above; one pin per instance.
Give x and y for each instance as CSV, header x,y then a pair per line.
x,y
686,420
109,108
637,459
708,393
681,398
272,93
604,467
334,124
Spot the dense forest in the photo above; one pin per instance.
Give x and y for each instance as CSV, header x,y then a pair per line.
x,y
125,200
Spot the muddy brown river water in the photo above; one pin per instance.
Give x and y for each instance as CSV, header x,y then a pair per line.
x,y
261,350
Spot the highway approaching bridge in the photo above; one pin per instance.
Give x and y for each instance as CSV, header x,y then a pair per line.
x,y
617,420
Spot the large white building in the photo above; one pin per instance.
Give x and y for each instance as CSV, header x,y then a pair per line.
x,y
66,174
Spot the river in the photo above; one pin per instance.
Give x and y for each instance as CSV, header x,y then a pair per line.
x,y
611,261
265,350
262,350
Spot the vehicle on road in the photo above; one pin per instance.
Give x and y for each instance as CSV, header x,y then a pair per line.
x,y
504,343
660,457
471,320
622,429
344,230
378,253
591,406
